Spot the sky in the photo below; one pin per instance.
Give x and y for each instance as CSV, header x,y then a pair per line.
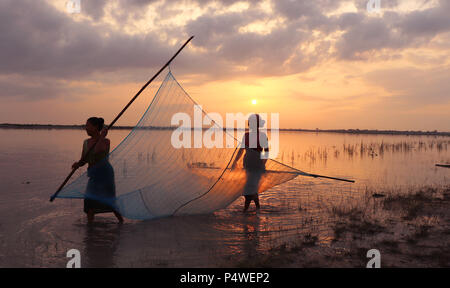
x,y
324,64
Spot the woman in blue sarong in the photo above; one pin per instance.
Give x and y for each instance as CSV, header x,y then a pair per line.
x,y
100,190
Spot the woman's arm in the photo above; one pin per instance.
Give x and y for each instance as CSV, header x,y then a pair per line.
x,y
238,156
266,152
103,143
266,155
81,162
240,151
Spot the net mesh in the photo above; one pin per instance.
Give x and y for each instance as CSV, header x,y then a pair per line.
x,y
154,179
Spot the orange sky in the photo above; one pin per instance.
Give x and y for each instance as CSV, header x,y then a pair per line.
x,y
331,64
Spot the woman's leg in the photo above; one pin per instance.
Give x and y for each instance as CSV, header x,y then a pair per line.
x,y
118,216
256,200
90,216
247,202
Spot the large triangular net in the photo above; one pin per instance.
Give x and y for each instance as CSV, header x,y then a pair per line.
x,y
154,179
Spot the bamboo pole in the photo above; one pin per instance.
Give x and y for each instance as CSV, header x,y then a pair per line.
x,y
120,114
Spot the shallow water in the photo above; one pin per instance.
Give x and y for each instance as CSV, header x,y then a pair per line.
x,y
37,233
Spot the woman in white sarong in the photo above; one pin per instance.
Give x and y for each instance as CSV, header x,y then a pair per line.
x,y
254,143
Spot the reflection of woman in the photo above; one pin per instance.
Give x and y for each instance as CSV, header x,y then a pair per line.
x,y
101,242
101,184
251,230
254,143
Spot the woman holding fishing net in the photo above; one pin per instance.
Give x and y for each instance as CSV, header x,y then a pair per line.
x,y
253,144
100,190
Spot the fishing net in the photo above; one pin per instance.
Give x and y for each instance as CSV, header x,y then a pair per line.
x,y
154,178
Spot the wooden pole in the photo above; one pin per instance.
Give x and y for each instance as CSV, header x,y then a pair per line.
x,y
443,165
120,114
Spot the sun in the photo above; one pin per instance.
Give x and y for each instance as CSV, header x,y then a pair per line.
x,y
254,101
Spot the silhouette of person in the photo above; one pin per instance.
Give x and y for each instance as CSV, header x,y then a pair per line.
x,y
253,143
100,190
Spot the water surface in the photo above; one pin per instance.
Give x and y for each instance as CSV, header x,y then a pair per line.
x,y
37,233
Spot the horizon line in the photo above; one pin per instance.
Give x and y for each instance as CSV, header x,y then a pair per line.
x,y
340,130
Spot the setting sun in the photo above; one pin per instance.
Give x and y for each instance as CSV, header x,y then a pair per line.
x,y
254,101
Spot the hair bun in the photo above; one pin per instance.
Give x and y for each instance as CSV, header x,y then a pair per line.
x,y
97,122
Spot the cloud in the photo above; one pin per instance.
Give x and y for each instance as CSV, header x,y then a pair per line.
x,y
210,30
368,35
429,22
38,40
411,87
20,88
365,36
95,9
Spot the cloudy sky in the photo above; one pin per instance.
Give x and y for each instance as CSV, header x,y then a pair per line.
x,y
323,63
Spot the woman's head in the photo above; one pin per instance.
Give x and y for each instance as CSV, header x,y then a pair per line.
x,y
255,122
94,125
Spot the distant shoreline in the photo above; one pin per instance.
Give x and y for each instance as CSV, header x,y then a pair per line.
x,y
347,131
